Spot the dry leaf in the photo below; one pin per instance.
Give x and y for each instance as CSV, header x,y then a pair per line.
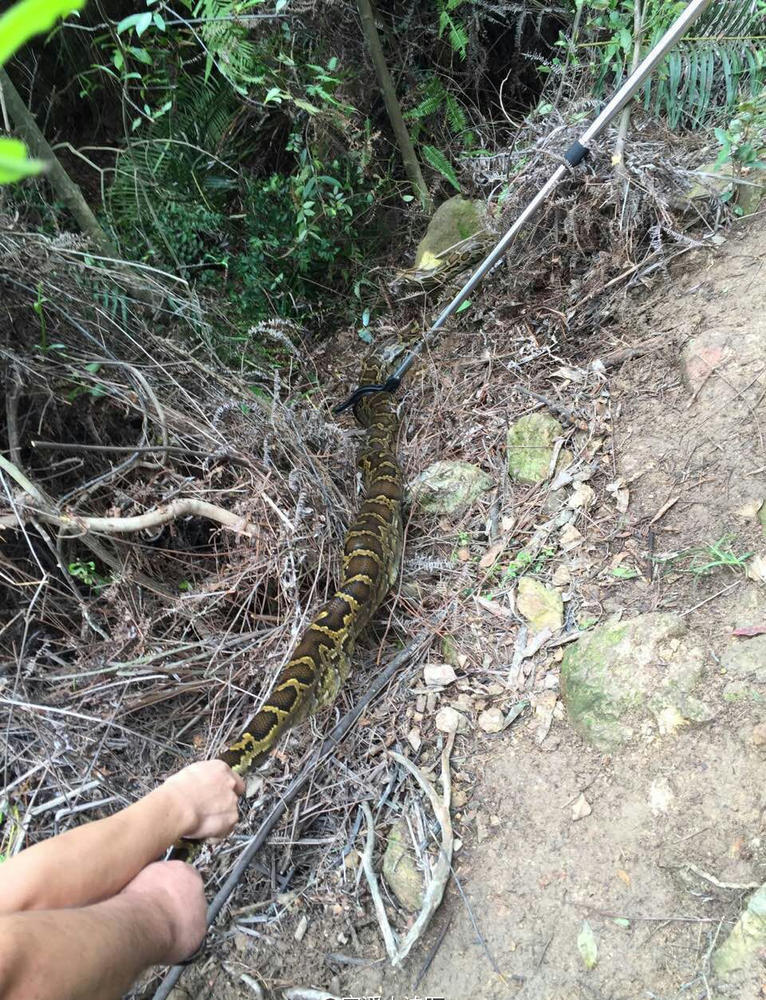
x,y
623,876
570,538
491,554
586,945
493,607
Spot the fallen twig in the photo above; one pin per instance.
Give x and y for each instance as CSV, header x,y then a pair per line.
x,y
398,951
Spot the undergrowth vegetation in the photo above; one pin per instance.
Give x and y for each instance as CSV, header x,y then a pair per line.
x,y
244,147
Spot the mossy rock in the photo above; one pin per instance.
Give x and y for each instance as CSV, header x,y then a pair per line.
x,y
542,606
710,179
530,448
743,948
400,871
623,677
449,487
456,220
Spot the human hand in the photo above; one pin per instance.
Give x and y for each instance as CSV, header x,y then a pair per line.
x,y
207,793
173,894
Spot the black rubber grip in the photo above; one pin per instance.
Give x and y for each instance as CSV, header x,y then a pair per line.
x,y
576,153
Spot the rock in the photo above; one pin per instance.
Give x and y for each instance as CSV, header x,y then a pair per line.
x,y
710,179
756,568
741,949
581,808
745,659
492,720
400,870
562,576
439,674
621,675
751,191
540,605
758,735
449,487
661,796
530,448
449,720
455,222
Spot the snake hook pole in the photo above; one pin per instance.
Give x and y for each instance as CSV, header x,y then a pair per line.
x,y
574,155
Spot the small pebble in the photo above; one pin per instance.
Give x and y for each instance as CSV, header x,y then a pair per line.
x,y
491,720
581,808
414,740
439,674
448,720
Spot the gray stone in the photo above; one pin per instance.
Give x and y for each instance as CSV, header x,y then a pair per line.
x,y
449,487
745,660
454,222
624,676
530,448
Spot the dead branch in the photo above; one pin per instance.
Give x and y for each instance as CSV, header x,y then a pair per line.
x,y
398,951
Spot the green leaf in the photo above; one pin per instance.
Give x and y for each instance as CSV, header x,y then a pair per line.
x,y
138,21
14,163
141,54
28,18
306,106
622,922
463,306
586,945
625,572
436,159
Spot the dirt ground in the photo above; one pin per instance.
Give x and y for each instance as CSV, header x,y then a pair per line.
x,y
660,866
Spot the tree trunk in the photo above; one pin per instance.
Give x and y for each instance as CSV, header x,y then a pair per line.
x,y
410,160
62,184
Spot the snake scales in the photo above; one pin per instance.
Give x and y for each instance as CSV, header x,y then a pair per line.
x,y
372,550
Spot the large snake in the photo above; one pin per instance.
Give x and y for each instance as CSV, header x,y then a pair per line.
x,y
321,661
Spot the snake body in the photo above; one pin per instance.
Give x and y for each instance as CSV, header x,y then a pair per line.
x,y
321,661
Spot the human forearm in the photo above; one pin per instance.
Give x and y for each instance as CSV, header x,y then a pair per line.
x,y
93,862
93,953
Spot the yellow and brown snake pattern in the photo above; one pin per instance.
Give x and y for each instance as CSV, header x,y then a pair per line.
x,y
372,550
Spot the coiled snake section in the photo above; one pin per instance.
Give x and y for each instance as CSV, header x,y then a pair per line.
x,y
321,661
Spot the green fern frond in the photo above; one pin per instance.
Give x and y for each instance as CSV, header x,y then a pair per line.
x,y
436,159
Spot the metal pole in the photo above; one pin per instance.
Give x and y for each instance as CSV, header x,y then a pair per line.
x,y
572,156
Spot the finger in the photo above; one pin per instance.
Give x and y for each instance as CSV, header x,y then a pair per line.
x,y
239,783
